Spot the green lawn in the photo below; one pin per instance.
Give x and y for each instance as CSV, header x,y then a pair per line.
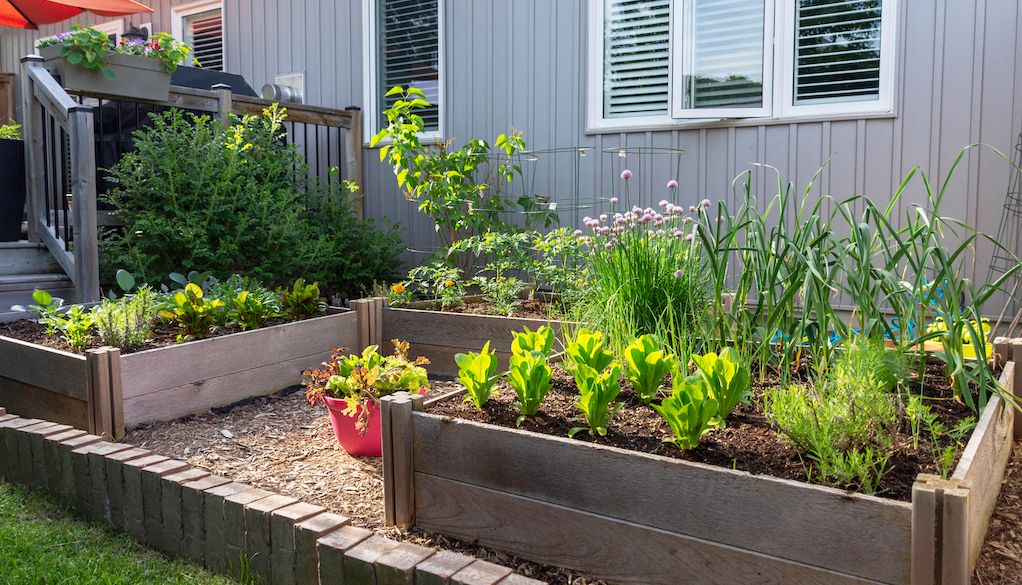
x,y
41,543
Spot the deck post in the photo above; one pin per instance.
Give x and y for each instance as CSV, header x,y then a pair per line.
x,y
352,168
225,103
32,120
83,191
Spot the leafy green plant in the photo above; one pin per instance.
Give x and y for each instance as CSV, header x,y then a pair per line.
x,y
128,321
398,295
727,379
160,46
46,306
597,391
690,410
75,326
530,377
864,354
10,131
192,193
192,312
586,348
249,311
503,292
541,340
362,379
477,372
301,301
646,364
85,47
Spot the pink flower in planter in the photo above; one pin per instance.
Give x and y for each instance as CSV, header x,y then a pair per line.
x,y
603,217
672,184
664,203
626,174
706,202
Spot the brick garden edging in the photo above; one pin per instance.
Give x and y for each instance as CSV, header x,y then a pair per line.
x,y
187,513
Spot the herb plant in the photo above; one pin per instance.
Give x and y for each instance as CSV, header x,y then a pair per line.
x,y
646,364
503,292
597,392
477,372
530,377
249,311
128,321
690,410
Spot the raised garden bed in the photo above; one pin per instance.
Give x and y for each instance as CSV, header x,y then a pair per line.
x,y
633,517
106,390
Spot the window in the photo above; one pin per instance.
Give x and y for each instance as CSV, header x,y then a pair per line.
x,y
200,26
404,47
113,28
664,62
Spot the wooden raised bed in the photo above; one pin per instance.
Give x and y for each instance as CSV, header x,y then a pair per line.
x,y
104,391
630,517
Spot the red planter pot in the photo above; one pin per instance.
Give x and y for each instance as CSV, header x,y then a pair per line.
x,y
369,444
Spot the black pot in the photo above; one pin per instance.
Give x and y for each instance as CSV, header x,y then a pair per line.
x,y
12,189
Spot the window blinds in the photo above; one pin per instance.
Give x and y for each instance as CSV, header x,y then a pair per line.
x,y
205,34
408,41
636,50
724,53
837,50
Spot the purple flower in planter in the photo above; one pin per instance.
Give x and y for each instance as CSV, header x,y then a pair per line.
x,y
679,234
614,200
577,233
608,245
585,220
689,238
706,202
603,230
63,36
646,218
672,184
687,220
679,273
636,210
664,203
626,174
603,217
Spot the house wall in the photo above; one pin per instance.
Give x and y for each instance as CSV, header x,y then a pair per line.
x,y
522,64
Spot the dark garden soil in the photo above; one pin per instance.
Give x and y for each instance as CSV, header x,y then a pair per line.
x,y
526,310
163,335
748,442
282,444
1000,560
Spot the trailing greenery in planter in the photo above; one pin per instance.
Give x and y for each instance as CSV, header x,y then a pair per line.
x,y
237,200
90,49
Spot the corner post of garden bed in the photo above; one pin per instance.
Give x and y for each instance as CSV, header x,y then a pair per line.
x,y
369,313
106,396
1009,351
940,531
398,472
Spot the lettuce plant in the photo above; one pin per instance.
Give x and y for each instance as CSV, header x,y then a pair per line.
x,y
530,377
727,380
476,371
597,390
192,312
541,340
690,410
587,348
645,366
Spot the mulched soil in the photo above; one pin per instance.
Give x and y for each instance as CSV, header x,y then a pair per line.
x,y
526,310
280,443
163,335
748,442
1000,560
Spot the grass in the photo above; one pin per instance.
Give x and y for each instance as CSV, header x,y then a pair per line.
x,y
42,543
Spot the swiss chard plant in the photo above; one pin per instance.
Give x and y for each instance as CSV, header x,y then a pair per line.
x,y
301,301
192,312
727,380
597,392
249,311
646,364
531,378
527,341
478,373
690,410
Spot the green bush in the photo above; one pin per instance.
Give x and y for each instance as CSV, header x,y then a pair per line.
x,y
195,196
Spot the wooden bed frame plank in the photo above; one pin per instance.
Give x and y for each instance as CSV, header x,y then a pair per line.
x,y
612,549
456,329
30,401
777,517
59,371
192,363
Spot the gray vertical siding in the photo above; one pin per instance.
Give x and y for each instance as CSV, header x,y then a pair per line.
x,y
521,65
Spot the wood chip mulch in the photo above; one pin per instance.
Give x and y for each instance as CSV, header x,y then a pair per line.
x,y
1000,560
280,443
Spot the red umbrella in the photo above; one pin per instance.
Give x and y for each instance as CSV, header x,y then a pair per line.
x,y
32,13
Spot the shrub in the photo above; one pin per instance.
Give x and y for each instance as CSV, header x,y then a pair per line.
x,y
126,322
237,200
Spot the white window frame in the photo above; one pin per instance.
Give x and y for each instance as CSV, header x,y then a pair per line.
x,y
111,27
370,99
778,83
179,13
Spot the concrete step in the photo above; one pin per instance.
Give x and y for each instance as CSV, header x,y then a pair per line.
x,y
17,289
26,258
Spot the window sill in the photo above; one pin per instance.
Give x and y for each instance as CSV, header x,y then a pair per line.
x,y
623,126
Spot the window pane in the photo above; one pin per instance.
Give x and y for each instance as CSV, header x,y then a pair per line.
x,y
408,35
837,51
724,53
636,55
204,33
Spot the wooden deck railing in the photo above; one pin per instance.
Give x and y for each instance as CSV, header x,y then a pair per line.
x,y
70,137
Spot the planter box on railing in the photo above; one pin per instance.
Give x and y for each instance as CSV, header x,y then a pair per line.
x,y
631,517
105,391
135,76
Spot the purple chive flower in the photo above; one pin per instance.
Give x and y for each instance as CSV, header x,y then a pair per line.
x,y
636,210
604,230
679,234
663,203
706,202
608,245
672,184
614,200
687,220
603,217
646,218
679,273
626,174
689,238
691,208
577,233
586,220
